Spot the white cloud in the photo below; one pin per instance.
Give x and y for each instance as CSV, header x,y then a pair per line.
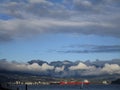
x,y
111,69
35,67
45,67
59,69
92,70
36,1
80,66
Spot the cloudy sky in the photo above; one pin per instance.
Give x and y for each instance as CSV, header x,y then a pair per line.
x,y
59,29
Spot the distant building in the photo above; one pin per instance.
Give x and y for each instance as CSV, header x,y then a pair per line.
x,y
104,82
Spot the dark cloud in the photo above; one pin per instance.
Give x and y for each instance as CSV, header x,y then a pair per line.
x,y
5,37
46,8
35,17
23,9
31,27
92,49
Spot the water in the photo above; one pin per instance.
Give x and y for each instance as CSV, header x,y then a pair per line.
x,y
69,87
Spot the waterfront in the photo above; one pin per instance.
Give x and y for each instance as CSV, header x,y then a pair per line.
x,y
67,87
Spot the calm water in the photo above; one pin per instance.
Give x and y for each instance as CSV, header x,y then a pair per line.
x,y
62,87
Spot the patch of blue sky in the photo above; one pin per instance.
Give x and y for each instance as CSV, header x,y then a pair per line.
x,y
56,1
5,17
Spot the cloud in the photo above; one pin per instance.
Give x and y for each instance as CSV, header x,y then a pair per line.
x,y
92,49
35,17
23,9
23,67
59,69
46,67
4,37
85,70
27,28
80,69
36,1
111,69
82,4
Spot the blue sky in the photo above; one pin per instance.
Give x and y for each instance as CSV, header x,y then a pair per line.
x,y
54,30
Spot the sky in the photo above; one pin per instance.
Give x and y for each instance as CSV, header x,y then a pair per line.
x,y
53,30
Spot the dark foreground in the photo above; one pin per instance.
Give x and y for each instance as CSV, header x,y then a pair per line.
x,y
1,88
65,87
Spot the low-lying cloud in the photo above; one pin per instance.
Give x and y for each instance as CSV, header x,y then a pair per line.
x,y
84,70
111,69
80,66
79,69
25,67
59,69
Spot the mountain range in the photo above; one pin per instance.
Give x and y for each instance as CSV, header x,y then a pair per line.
x,y
66,68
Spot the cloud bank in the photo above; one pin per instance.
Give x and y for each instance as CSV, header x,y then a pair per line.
x,y
78,69
22,67
36,17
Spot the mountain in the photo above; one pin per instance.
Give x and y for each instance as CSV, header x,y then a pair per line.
x,y
61,63
67,63
66,68
40,62
116,81
101,63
